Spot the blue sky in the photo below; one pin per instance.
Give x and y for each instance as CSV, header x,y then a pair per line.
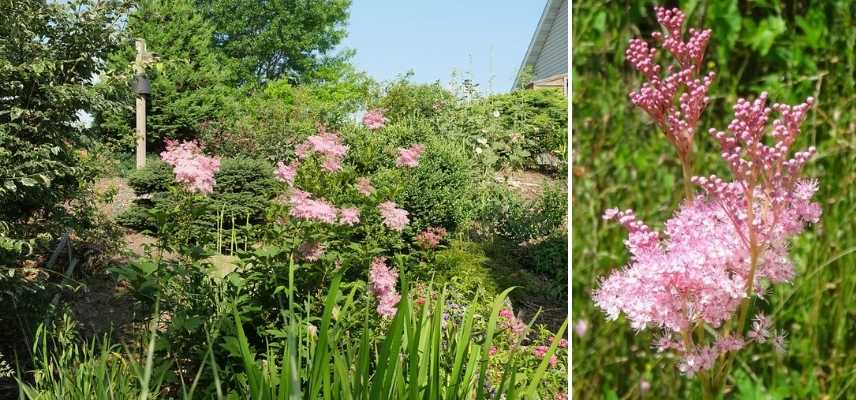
x,y
434,38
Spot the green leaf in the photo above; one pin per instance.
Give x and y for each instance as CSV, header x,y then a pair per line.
x,y
813,26
599,23
762,36
46,179
725,20
27,181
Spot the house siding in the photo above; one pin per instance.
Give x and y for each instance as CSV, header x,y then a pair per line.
x,y
553,58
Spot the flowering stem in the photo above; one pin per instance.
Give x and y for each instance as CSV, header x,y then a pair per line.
x,y
754,253
687,168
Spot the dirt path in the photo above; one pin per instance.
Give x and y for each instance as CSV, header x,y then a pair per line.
x,y
103,305
124,197
529,184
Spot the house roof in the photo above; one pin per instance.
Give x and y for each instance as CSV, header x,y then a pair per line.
x,y
536,45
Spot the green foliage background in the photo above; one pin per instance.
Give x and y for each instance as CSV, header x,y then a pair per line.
x,y
791,49
48,55
193,81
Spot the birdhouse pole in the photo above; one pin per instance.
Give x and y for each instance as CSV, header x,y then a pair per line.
x,y
141,87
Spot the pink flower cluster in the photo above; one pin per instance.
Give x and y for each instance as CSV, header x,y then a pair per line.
x,y
364,186
430,237
374,119
311,251
303,206
382,280
410,157
716,251
349,216
325,143
679,281
192,168
657,95
719,247
581,328
512,323
563,343
393,217
287,173
541,351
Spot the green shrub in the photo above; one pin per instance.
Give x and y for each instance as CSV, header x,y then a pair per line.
x,y
526,128
369,151
540,114
155,177
270,122
536,230
260,127
136,217
245,175
403,99
48,56
243,191
549,255
439,191
462,263
513,218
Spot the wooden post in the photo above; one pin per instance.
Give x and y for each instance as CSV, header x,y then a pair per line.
x,y
141,130
141,88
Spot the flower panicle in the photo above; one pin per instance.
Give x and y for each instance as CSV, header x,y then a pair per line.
x,y
715,254
192,168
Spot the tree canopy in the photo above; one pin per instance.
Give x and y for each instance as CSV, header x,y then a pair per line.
x,y
49,53
274,39
192,81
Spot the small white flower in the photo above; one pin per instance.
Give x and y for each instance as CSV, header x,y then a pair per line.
x,y
496,113
482,141
478,150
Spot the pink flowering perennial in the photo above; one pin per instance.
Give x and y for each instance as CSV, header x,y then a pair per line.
x,y
192,168
364,186
374,119
410,157
430,237
541,351
393,217
286,173
515,325
311,251
349,216
718,250
382,280
303,206
327,144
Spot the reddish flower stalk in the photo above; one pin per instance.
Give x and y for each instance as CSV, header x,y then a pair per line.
x,y
658,95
